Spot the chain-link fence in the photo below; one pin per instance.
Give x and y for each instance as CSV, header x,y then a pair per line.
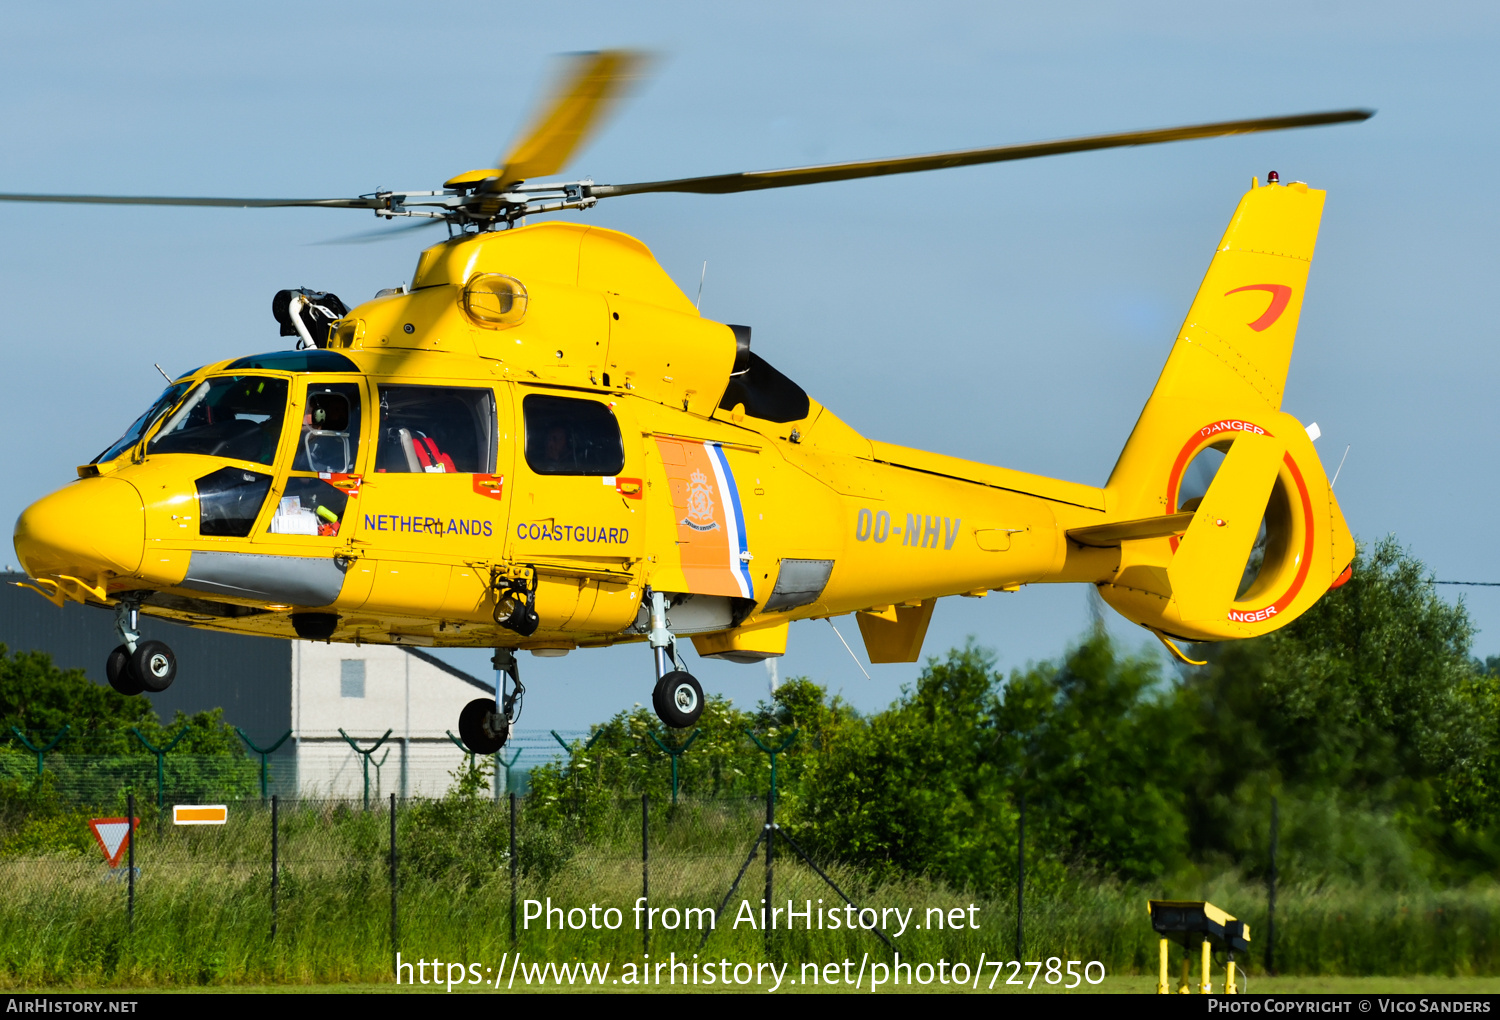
x,y
307,890
297,889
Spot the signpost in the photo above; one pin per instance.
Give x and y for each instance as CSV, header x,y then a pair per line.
x,y
199,814
113,835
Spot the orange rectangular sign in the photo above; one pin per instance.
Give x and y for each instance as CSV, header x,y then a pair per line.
x,y
199,814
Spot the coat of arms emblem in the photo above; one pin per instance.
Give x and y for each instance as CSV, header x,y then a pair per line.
x,y
700,503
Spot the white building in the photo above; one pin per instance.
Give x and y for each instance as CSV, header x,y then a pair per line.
x,y
368,691
268,686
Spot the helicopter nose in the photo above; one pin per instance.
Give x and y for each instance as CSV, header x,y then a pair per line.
x,y
83,530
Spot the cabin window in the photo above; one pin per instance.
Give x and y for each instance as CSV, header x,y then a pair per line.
x,y
766,393
238,417
436,430
567,436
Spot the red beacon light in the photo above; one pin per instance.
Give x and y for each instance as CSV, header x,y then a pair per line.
x,y
1273,177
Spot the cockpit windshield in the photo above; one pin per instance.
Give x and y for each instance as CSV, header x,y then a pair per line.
x,y
160,406
239,417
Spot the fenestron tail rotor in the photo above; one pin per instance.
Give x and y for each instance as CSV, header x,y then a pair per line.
x,y
586,89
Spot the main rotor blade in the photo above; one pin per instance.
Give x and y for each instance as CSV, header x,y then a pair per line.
x,y
371,236
585,90
231,203
723,184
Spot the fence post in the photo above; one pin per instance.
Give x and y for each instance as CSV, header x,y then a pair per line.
x,y
364,757
770,869
462,747
275,862
377,765
1021,878
500,760
512,869
130,861
161,754
39,751
1271,895
264,753
395,934
773,753
569,747
646,872
675,753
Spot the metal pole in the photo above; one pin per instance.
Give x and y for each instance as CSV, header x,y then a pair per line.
x,y
130,860
394,931
275,864
161,753
770,842
646,871
773,753
365,757
1271,896
677,752
512,869
41,751
265,753
1021,877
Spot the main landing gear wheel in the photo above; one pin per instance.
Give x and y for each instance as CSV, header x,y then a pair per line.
x,y
678,699
477,727
154,665
121,677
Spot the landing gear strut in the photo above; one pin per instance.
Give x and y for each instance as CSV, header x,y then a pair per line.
x,y
485,723
137,665
678,697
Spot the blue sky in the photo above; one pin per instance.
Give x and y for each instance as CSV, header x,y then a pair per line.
x,y
1013,314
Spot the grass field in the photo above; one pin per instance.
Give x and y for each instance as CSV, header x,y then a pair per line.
x,y
203,914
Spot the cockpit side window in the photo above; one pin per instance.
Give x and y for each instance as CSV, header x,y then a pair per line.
x,y
568,436
142,425
238,417
436,430
329,440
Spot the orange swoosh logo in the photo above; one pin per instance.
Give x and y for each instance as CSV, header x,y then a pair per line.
x,y
1280,295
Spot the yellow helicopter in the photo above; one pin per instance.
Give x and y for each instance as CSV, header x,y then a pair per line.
x,y
540,444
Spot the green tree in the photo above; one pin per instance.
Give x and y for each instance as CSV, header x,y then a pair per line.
x,y
1367,716
916,788
38,699
1099,742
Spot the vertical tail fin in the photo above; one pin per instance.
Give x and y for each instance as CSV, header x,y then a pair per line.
x,y
1267,539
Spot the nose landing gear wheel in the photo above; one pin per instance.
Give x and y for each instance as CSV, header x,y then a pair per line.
x,y
477,727
154,666
121,677
678,699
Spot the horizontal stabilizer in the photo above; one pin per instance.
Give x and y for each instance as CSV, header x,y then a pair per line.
x,y
1104,536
